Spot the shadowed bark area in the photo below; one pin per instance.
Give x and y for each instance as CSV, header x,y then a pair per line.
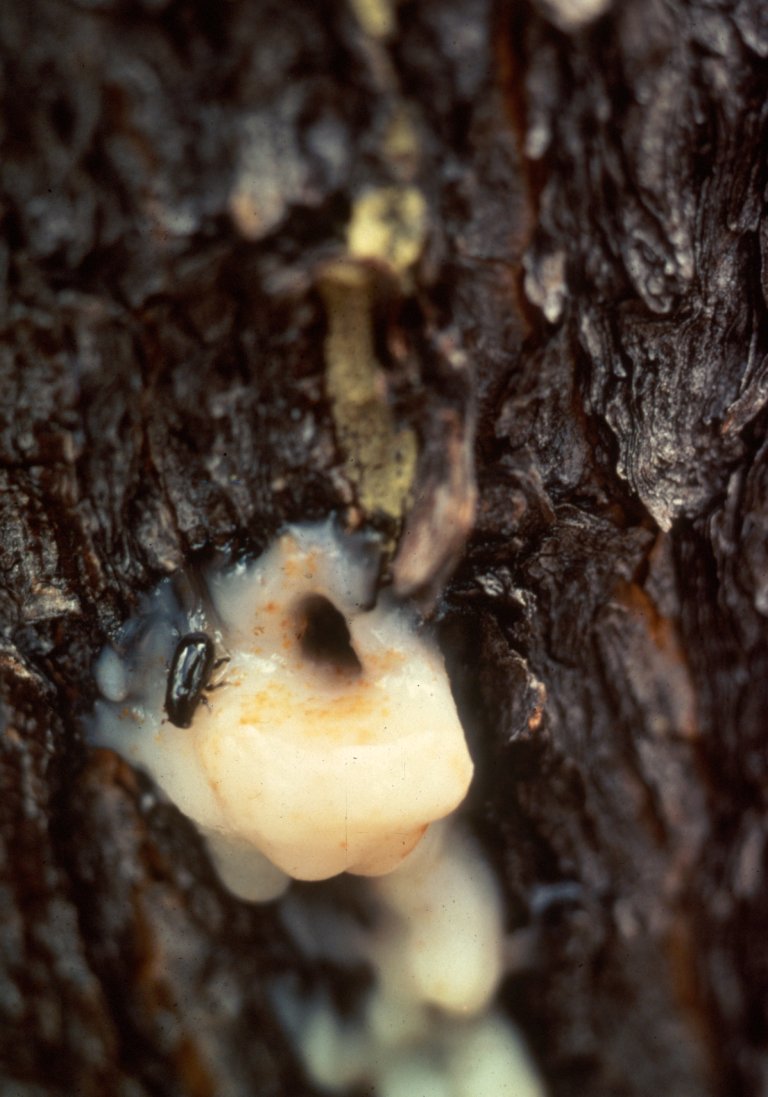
x,y
491,279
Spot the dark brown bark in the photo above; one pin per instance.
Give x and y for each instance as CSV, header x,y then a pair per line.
x,y
590,307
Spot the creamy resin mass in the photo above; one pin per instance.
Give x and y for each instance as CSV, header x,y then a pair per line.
x,y
332,739
307,734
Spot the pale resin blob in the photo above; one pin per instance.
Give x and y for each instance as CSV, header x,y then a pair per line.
x,y
329,743
320,761
429,1027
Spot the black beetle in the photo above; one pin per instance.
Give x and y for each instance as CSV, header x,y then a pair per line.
x,y
188,676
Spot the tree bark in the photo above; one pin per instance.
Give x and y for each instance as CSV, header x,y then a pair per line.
x,y
566,325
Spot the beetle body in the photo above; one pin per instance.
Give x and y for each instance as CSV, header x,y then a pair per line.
x,y
189,674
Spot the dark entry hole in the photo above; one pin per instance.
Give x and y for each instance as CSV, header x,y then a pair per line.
x,y
324,635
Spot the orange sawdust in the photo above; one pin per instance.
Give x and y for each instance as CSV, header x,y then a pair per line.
x,y
355,715
385,661
300,564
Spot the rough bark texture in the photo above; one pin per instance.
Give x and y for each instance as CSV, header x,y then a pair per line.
x,y
590,301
